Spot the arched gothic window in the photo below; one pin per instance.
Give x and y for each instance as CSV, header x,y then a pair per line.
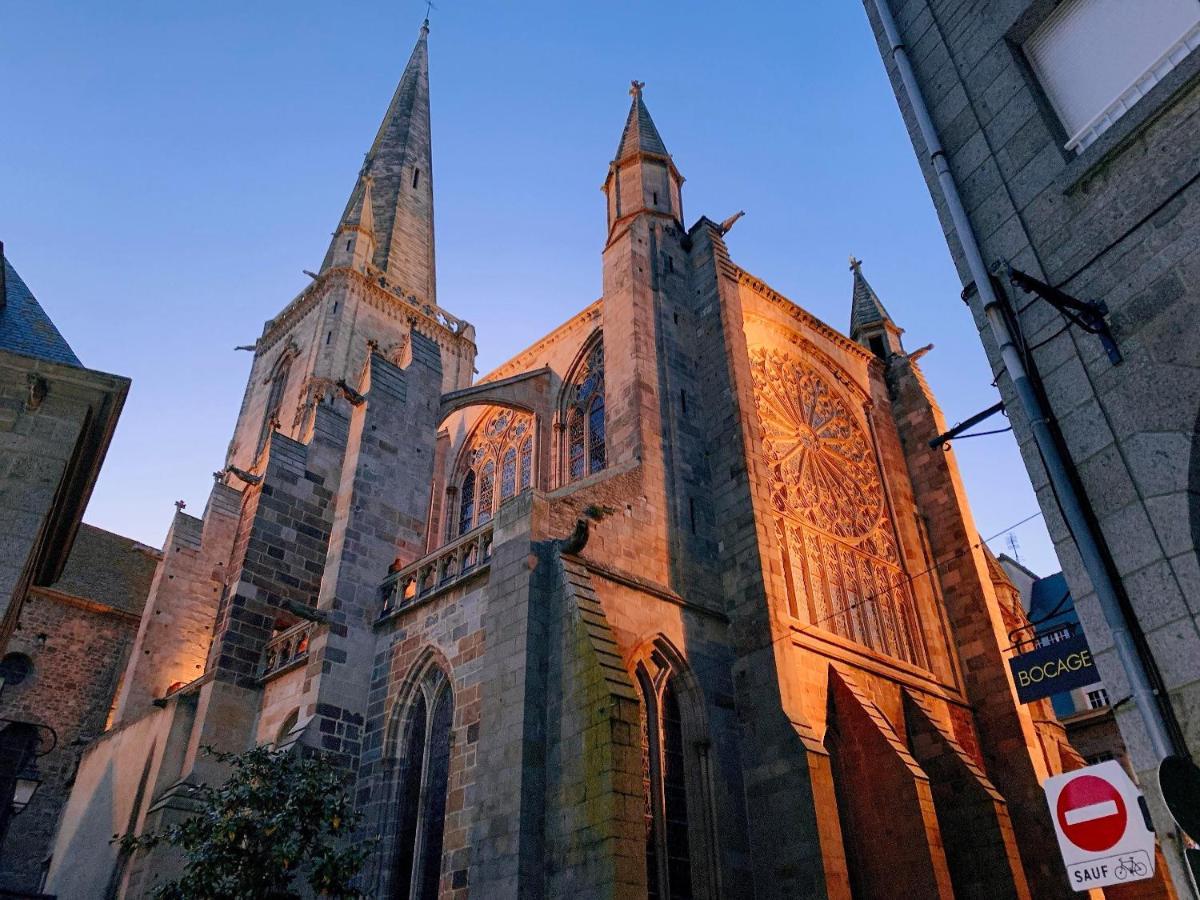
x,y
496,463
584,417
278,379
676,869
841,560
421,798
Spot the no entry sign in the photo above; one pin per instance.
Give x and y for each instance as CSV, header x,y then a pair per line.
x,y
1102,833
1091,813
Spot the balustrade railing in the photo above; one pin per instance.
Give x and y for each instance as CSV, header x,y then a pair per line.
x,y
286,648
468,554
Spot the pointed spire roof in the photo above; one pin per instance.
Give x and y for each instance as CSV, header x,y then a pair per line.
x,y
866,309
24,326
396,178
640,135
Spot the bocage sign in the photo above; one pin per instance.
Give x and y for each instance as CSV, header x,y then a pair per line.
x,y
1061,666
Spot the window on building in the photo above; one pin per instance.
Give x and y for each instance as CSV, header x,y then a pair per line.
x,y
1102,756
416,177
496,463
1097,699
586,452
672,798
843,570
1096,58
424,777
278,380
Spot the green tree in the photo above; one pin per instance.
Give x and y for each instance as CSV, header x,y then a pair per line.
x,y
278,817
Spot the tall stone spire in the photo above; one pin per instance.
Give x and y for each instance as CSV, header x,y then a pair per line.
x,y
642,177
397,180
870,323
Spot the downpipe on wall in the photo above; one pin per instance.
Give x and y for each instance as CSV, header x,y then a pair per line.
x,y
1069,500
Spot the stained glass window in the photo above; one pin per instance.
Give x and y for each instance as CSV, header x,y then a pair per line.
x,y
508,474
412,762
487,484
575,444
679,863
596,435
526,463
466,515
424,779
585,449
502,438
666,761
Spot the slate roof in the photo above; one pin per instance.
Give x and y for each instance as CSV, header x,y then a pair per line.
x,y
865,306
639,135
108,568
1047,600
26,329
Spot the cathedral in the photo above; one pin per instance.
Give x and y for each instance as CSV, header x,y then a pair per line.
x,y
677,603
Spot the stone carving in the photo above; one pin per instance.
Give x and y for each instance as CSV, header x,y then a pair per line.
x,y
839,550
823,471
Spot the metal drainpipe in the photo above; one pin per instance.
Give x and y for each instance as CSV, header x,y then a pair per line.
x,y
1069,501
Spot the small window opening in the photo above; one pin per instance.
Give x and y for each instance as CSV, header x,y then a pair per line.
x,y
683,401
348,243
877,346
328,338
692,513
676,317
670,264
335,305
416,177
655,196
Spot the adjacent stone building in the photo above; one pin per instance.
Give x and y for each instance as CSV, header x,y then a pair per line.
x,y
70,646
677,602
1072,130
56,421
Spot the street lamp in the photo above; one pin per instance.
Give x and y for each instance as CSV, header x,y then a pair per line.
x,y
24,787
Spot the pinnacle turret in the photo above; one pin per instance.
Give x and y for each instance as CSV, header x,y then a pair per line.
x,y
870,323
642,177
397,181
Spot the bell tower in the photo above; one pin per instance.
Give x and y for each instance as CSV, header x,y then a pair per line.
x,y
376,286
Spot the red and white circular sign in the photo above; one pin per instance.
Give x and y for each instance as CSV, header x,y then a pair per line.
x,y
1091,813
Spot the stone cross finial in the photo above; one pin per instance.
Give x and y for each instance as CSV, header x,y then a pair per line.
x,y
180,505
855,264
635,88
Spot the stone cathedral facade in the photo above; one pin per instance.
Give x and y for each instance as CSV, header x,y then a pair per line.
x,y
676,603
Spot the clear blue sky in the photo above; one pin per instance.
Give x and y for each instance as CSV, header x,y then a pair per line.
x,y
168,169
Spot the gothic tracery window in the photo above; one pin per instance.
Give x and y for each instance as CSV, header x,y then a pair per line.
x,y
672,799
421,798
278,380
836,537
495,464
584,417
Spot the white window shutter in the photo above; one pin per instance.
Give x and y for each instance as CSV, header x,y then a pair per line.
x,y
1096,58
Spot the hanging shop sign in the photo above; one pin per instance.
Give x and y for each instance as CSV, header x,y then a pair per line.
x,y
1061,666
